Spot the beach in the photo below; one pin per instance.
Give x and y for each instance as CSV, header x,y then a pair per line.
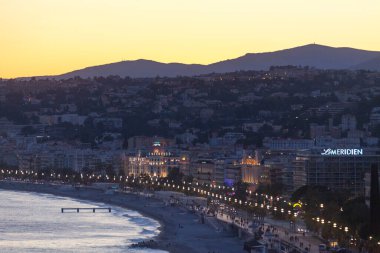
x,y
180,229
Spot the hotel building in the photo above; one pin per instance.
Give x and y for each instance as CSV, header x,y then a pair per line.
x,y
340,169
156,161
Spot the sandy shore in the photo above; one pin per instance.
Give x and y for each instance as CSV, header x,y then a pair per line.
x,y
192,237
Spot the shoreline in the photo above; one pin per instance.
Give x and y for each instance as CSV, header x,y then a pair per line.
x,y
179,231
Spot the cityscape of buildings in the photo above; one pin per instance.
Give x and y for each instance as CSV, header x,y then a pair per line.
x,y
265,128
190,126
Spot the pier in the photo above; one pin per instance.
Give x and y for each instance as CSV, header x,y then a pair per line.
x,y
77,209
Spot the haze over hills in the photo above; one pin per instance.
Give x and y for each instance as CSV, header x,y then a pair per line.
x,y
373,64
313,55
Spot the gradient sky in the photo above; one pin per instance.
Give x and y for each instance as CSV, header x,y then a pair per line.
x,y
45,37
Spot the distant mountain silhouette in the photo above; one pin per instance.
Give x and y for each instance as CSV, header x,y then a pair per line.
x,y
373,64
318,56
139,68
313,55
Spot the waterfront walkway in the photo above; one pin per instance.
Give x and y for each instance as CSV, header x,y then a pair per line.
x,y
276,232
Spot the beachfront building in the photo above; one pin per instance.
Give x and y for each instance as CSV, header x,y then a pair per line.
x,y
156,161
251,170
135,164
161,162
219,171
52,157
232,172
204,170
340,169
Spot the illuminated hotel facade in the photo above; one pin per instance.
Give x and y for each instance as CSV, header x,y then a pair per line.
x,y
157,161
336,169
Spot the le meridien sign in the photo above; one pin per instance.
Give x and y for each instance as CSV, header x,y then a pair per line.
x,y
342,152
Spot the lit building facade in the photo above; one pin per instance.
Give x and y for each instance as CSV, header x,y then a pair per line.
x,y
251,171
157,161
161,162
336,170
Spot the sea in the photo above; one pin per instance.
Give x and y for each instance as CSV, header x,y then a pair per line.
x,y
33,222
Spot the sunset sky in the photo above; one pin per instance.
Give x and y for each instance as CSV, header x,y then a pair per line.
x,y
45,37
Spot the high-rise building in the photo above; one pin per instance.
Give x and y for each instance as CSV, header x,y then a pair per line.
x,y
340,169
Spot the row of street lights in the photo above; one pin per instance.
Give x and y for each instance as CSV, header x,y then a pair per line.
x,y
269,203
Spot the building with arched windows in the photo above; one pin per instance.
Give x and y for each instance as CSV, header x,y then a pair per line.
x,y
157,161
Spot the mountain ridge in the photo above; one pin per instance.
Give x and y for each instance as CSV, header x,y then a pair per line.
x,y
312,55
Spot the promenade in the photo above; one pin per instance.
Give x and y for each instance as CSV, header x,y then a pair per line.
x,y
277,234
182,226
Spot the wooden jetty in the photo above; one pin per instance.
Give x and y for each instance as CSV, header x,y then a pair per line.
x,y
78,209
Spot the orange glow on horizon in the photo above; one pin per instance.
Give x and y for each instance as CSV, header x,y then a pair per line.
x,y
45,37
